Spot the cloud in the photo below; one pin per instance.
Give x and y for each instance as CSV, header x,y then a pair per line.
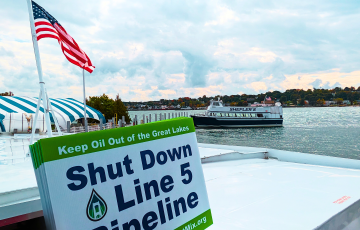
x,y
4,52
316,84
147,50
155,93
196,69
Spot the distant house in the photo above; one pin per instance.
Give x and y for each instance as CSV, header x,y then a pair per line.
x,y
11,94
328,103
346,102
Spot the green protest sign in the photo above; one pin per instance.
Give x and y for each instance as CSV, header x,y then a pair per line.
x,y
141,177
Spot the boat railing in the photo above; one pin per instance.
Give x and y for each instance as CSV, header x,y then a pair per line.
x,y
15,149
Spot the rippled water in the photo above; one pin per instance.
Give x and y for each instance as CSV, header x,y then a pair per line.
x,y
332,131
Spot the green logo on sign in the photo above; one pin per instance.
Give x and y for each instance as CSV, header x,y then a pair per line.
x,y
96,208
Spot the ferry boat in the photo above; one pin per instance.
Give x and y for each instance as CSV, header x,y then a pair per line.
x,y
217,116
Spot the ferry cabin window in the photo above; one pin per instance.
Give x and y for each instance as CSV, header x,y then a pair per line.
x,y
260,115
216,104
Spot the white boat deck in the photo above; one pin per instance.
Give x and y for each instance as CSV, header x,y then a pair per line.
x,y
269,194
245,190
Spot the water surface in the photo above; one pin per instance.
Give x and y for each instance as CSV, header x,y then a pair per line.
x,y
332,131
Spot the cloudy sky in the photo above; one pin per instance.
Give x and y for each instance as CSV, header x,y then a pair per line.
x,y
147,50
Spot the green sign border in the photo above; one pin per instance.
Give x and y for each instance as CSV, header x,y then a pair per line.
x,y
46,150
194,223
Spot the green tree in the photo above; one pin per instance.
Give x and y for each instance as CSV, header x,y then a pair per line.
x,y
108,107
120,109
320,102
302,102
283,99
339,101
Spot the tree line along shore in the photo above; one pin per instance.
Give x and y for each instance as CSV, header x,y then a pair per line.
x,y
292,97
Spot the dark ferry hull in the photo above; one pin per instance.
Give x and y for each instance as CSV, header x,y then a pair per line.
x,y
218,122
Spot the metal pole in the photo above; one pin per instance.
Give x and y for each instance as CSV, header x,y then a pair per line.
x,y
38,65
85,121
53,113
35,119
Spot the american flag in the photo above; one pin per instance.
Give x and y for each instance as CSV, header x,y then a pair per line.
x,y
47,26
268,98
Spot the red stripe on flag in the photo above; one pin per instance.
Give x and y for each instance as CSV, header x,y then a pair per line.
x,y
71,50
43,23
47,36
71,44
46,30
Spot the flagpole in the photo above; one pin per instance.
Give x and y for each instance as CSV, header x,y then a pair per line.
x,y
85,121
39,69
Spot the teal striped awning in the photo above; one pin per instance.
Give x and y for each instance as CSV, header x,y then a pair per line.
x,y
2,128
68,109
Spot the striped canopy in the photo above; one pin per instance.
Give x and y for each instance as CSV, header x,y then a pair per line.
x,y
2,128
67,109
